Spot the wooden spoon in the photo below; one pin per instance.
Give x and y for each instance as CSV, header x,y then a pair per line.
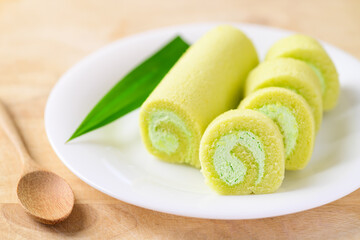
x,y
44,195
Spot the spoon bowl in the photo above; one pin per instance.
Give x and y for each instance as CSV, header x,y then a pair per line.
x,y
45,196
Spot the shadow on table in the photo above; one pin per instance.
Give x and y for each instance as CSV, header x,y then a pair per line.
x,y
82,217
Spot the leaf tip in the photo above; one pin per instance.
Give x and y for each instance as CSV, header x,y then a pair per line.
x,y
71,138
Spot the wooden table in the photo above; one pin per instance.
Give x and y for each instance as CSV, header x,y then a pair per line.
x,y
41,39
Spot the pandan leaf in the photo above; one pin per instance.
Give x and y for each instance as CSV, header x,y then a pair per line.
x,y
132,90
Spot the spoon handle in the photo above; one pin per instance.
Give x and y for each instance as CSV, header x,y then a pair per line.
x,y
12,132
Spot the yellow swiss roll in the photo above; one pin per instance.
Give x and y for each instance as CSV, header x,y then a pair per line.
x,y
293,116
309,50
292,74
242,152
205,82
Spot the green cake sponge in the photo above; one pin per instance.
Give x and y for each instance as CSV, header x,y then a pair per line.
x,y
293,116
206,81
292,74
310,51
242,152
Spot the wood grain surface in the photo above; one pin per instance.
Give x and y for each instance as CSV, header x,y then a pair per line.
x,y
41,39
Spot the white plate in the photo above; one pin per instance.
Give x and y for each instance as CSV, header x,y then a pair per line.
x,y
114,161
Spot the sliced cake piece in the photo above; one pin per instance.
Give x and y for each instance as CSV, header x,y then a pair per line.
x,y
292,74
293,116
242,152
310,51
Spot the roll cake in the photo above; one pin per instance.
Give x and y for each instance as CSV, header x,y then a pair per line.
x,y
242,152
310,51
293,116
292,74
206,81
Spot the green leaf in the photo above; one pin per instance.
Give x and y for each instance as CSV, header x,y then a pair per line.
x,y
131,91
